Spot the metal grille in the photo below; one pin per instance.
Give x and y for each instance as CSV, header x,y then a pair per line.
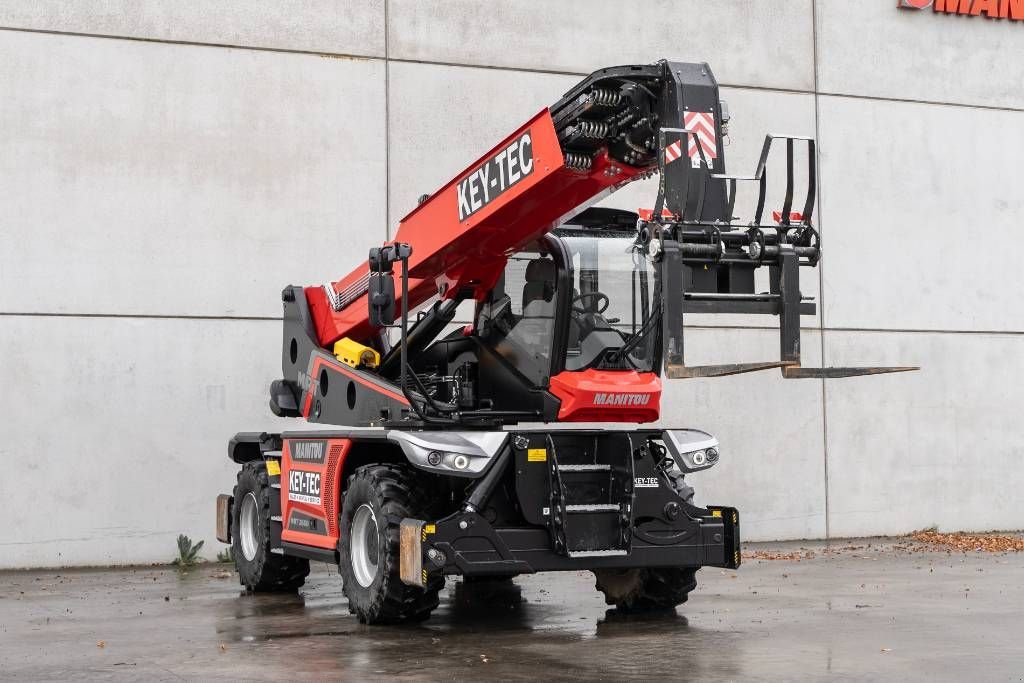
x,y
340,300
331,506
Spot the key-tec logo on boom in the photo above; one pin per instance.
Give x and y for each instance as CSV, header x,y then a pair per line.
x,y
495,176
993,9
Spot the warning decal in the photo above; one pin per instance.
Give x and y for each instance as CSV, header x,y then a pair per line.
x,y
702,123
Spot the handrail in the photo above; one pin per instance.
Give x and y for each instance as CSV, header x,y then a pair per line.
x,y
761,175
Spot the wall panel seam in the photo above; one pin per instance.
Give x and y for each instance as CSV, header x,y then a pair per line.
x,y
762,328
141,316
821,265
191,43
387,125
909,100
370,57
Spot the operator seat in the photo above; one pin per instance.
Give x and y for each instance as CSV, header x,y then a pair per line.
x,y
534,327
539,288
538,299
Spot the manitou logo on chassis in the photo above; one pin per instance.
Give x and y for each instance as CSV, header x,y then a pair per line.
x,y
621,399
497,174
308,451
993,9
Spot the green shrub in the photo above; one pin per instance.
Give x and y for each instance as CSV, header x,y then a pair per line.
x,y
188,553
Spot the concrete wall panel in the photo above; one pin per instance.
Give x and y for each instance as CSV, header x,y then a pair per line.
x,y
120,431
937,447
145,178
920,216
770,430
443,118
874,49
351,27
765,44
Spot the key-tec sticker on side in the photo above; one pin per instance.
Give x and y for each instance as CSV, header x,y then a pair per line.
x,y
646,482
304,487
495,176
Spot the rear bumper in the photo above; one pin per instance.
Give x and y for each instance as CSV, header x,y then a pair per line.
x,y
224,503
465,543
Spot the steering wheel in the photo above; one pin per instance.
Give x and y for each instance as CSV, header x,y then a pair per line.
x,y
602,302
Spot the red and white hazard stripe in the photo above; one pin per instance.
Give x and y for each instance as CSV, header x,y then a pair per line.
x,y
673,152
701,124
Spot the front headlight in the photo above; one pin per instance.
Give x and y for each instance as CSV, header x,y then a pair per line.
x,y
461,454
692,449
457,461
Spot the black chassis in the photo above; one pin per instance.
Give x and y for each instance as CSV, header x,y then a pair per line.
x,y
566,502
548,500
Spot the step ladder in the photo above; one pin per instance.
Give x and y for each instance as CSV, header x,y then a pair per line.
x,y
591,487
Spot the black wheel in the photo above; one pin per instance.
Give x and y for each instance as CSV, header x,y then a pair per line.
x,y
258,568
646,589
375,501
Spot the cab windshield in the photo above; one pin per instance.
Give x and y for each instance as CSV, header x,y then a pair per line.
x,y
611,302
613,322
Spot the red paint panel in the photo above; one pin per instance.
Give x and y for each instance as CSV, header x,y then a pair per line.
x,y
607,396
299,470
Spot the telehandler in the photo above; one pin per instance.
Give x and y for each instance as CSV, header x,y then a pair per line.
x,y
471,449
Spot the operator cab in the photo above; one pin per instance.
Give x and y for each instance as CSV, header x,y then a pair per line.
x,y
582,299
593,270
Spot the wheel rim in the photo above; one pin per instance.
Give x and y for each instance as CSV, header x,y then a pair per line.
x,y
365,544
248,522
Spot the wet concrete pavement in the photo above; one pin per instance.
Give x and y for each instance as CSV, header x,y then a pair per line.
x,y
855,610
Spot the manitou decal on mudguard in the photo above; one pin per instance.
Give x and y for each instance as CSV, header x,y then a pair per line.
x,y
308,451
497,174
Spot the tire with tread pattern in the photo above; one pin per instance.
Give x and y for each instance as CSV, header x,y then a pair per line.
x,y
393,493
265,572
646,589
654,588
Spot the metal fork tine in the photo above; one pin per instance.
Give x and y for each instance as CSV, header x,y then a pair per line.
x,y
673,371
797,372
